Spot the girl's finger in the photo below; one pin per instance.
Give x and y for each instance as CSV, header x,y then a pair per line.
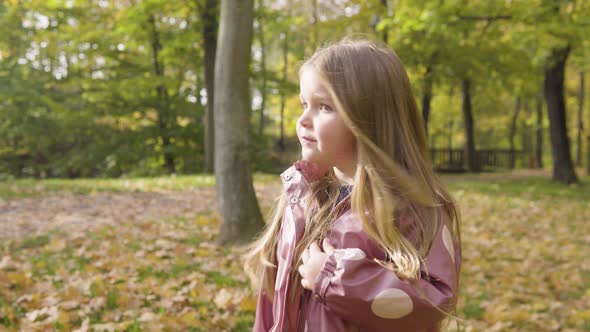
x,y
314,248
328,249
305,283
301,270
305,255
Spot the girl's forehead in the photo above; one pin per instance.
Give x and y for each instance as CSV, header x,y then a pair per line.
x,y
311,85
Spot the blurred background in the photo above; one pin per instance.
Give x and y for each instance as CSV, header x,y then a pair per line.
x,y
109,217
119,88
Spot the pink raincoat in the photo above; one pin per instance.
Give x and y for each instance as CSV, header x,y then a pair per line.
x,y
353,292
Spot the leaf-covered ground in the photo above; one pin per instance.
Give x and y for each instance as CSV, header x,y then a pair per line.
x,y
138,255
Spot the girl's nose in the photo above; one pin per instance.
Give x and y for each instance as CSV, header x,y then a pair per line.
x,y
304,120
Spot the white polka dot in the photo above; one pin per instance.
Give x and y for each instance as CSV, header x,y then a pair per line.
x,y
448,242
392,303
353,254
349,253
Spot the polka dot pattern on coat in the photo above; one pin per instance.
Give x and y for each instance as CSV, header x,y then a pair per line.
x,y
392,303
350,254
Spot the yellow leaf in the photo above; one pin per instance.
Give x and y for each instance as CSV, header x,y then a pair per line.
x,y
248,304
72,293
194,293
55,245
98,286
19,279
202,252
203,221
579,317
64,320
539,306
204,311
40,265
189,319
122,300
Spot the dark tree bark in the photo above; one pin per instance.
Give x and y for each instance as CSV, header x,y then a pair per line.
x,y
588,153
315,25
563,169
262,68
386,9
588,148
209,16
470,158
284,83
240,215
427,96
163,99
512,129
539,133
580,121
527,136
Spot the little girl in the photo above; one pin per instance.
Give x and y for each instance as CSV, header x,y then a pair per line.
x,y
364,236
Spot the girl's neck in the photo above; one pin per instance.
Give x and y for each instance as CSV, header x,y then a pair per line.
x,y
345,176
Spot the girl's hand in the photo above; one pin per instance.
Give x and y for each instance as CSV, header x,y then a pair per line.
x,y
314,260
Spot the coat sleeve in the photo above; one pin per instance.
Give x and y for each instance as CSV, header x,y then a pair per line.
x,y
365,293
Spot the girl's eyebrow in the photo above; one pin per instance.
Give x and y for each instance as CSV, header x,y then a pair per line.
x,y
317,96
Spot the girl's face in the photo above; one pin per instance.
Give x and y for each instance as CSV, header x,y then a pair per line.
x,y
325,139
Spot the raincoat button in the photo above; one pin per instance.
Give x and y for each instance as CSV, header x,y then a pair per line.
x,y
293,200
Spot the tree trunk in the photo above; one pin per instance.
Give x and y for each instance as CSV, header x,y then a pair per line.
x,y
539,133
526,137
427,96
451,124
284,84
240,215
470,158
580,122
209,16
588,147
512,129
262,67
315,25
163,100
386,10
563,170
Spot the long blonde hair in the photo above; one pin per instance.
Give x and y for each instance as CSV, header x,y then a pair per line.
x,y
371,91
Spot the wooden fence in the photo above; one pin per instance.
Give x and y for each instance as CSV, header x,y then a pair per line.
x,y
453,160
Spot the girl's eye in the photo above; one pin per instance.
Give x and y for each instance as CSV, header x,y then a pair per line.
x,y
326,108
304,106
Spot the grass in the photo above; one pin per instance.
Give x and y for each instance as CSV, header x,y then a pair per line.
x,y
529,187
494,183
19,188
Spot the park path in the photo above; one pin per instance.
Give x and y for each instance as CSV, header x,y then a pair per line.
x,y
64,211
